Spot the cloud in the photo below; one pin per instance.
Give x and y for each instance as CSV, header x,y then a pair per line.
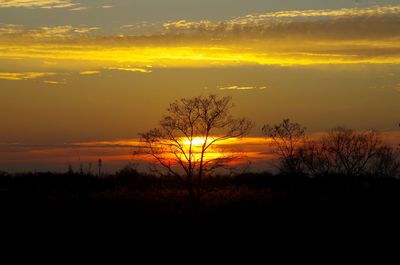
x,y
89,72
345,23
17,32
23,76
52,82
242,88
324,13
85,30
79,8
130,69
293,38
128,143
127,26
46,4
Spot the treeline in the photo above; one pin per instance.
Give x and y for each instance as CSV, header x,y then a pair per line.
x,y
193,126
340,151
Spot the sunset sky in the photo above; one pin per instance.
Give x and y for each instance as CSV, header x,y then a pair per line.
x,y
80,79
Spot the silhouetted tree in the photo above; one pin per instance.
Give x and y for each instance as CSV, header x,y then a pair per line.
x,y
386,162
352,150
285,139
316,158
345,151
188,133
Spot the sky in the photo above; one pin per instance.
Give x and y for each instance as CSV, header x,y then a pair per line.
x,y
74,72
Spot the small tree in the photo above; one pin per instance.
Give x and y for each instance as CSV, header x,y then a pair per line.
x,y
348,152
315,157
285,139
183,144
352,151
386,163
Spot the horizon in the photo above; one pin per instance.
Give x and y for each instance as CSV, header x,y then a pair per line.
x,y
116,154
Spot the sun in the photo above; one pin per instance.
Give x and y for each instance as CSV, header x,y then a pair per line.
x,y
196,142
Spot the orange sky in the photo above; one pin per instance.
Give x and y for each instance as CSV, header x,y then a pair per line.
x,y
116,154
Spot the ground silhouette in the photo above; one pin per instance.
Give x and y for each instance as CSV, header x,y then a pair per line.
x,y
129,194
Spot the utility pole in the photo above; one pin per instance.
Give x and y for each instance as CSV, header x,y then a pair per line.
x,y
100,165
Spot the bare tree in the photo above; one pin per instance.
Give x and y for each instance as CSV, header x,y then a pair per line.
x,y
386,163
352,151
316,158
349,152
285,139
184,144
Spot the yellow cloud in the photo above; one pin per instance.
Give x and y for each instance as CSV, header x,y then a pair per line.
x,y
52,82
338,23
311,37
130,69
89,72
283,16
23,76
85,30
239,53
79,8
242,88
18,32
343,12
38,3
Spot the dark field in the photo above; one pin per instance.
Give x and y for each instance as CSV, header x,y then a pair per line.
x,y
130,196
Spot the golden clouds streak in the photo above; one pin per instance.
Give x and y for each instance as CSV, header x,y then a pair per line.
x,y
23,76
46,4
199,55
311,37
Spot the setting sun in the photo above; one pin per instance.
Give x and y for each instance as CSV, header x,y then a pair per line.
x,y
196,142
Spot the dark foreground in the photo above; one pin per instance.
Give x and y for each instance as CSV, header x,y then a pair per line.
x,y
134,213
129,197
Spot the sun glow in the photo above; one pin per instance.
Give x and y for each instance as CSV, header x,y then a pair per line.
x,y
214,149
193,148
195,142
